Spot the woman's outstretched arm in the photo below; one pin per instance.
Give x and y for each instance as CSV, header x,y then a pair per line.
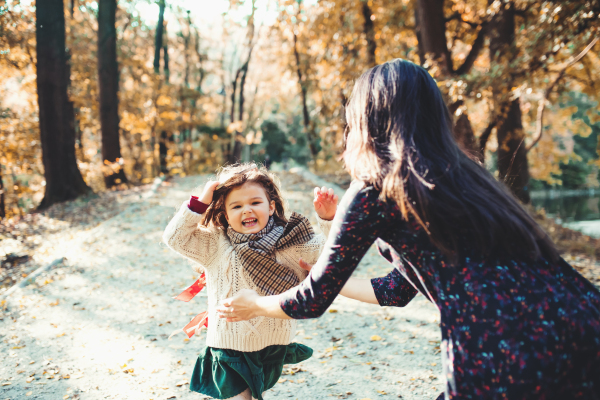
x,y
359,220
357,289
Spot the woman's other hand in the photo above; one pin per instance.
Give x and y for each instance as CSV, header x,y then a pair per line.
x,y
325,203
240,307
304,265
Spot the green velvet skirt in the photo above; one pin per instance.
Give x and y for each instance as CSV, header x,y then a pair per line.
x,y
224,373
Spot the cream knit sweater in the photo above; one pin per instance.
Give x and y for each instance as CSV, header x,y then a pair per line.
x,y
211,248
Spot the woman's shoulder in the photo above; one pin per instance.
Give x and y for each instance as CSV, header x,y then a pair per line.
x,y
362,195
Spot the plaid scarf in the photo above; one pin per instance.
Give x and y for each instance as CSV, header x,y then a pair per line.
x,y
257,252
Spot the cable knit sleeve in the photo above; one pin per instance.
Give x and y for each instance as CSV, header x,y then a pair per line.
x,y
184,236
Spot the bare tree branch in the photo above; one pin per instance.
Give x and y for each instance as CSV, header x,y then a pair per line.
x,y
483,138
474,52
458,16
542,104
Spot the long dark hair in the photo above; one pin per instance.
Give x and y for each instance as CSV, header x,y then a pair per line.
x,y
234,176
399,139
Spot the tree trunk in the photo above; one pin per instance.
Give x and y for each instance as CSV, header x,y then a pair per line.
x,y
108,85
162,151
369,30
311,136
430,25
432,33
158,39
2,203
420,45
462,130
513,168
56,114
166,55
512,154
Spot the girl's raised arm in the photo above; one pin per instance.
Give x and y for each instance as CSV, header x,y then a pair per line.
x,y
186,237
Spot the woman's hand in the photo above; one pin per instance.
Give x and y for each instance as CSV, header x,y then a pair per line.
x,y
207,193
240,307
325,203
304,265
248,304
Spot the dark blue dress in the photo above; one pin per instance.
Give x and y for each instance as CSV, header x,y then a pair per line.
x,y
510,329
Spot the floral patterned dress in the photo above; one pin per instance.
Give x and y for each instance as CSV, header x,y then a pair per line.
x,y
510,329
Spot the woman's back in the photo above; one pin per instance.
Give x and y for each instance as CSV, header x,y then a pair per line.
x,y
512,324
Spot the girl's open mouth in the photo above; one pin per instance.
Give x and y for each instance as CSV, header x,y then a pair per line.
x,y
249,222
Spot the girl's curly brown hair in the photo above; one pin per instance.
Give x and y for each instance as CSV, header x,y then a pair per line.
x,y
234,176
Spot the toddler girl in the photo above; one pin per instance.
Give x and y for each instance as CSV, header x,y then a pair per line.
x,y
238,233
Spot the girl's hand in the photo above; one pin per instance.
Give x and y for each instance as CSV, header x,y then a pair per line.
x,y
207,194
325,203
304,265
240,307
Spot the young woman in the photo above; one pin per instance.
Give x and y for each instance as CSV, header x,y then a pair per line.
x,y
517,321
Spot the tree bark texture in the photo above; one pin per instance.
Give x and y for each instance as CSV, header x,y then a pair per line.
x,y
108,85
158,38
512,154
369,30
56,113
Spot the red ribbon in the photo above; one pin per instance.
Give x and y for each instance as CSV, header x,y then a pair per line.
x,y
193,290
196,324
199,320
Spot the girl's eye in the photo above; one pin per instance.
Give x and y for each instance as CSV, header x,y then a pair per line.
x,y
256,202
234,207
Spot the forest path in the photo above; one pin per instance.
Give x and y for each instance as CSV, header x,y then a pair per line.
x,y
96,326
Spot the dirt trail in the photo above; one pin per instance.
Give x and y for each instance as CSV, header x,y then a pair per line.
x,y
96,326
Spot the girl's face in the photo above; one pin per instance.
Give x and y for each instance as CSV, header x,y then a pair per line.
x,y
248,209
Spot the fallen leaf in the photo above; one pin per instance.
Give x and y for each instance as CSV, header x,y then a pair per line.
x,y
360,353
333,311
181,383
66,396
381,392
281,380
28,393
375,338
5,383
61,334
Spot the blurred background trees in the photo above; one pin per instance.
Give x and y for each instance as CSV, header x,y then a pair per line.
x,y
156,88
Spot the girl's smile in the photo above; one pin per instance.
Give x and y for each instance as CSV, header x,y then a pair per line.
x,y
248,209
